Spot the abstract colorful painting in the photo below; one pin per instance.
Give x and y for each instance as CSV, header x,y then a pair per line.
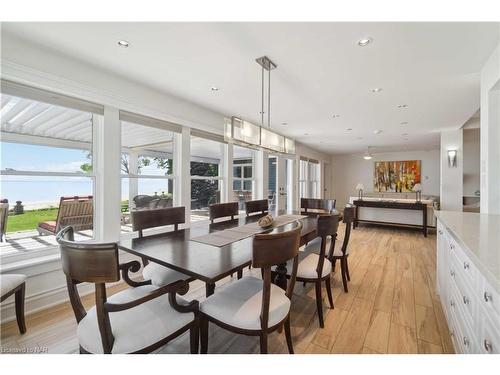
x,y
396,176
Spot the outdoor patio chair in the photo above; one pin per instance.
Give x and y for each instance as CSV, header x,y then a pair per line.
x,y
76,211
4,216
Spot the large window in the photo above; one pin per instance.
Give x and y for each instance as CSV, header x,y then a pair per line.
x,y
147,167
47,178
309,179
207,157
243,175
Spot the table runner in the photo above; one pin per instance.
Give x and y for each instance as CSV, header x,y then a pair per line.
x,y
227,236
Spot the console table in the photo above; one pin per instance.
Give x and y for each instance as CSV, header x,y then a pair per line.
x,y
414,206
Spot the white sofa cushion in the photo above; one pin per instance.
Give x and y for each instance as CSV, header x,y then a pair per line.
x,y
239,304
135,328
161,275
9,282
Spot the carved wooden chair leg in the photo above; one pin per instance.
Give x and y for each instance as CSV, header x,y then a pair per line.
x,y
344,274
194,337
329,292
334,262
19,302
203,335
263,343
288,335
319,303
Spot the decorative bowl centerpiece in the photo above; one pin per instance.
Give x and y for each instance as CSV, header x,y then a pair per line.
x,y
266,221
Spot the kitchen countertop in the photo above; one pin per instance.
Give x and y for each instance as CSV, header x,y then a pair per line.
x,y
479,236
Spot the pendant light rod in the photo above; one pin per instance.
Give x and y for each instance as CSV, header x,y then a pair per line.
x,y
266,64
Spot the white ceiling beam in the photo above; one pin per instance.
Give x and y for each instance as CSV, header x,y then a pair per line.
x,y
9,114
44,141
69,124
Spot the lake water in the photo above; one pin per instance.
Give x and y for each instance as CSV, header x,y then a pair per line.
x,y
42,192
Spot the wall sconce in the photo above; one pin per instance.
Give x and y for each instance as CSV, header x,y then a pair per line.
x,y
452,158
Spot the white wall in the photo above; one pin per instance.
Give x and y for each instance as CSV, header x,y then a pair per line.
x,y
349,170
472,161
490,134
452,178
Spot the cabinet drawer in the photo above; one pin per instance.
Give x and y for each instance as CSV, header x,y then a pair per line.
x,y
463,265
489,339
466,298
490,299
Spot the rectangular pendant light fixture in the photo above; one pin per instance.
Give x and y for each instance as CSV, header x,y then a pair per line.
x,y
244,132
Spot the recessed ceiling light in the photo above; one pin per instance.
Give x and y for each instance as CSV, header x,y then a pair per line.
x,y
336,116
349,129
377,131
284,123
404,123
213,88
364,42
404,134
306,133
376,89
123,43
402,105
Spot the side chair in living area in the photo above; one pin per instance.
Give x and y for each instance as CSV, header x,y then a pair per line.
x,y
140,319
253,306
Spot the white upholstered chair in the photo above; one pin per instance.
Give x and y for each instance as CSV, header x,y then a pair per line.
x,y
14,284
136,320
252,306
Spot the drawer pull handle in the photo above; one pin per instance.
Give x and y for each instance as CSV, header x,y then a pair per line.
x,y
487,346
452,303
466,266
466,300
466,341
440,231
452,334
487,297
452,273
452,246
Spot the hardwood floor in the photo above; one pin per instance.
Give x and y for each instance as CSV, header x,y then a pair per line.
x,y
391,307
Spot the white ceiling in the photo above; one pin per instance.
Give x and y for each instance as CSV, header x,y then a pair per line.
x,y
431,67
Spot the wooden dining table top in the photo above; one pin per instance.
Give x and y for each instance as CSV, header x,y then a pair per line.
x,y
205,262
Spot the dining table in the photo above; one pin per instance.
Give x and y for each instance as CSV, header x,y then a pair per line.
x,y
178,251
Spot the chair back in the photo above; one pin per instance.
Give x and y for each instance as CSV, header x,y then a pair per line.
x,y
75,211
349,212
94,263
327,228
272,249
144,219
4,216
223,210
319,205
261,206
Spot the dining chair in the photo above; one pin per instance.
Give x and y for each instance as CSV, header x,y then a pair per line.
x,y
315,265
343,253
152,218
261,206
136,320
253,306
318,205
14,284
218,210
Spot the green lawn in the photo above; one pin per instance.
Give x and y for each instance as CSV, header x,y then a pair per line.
x,y
30,219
